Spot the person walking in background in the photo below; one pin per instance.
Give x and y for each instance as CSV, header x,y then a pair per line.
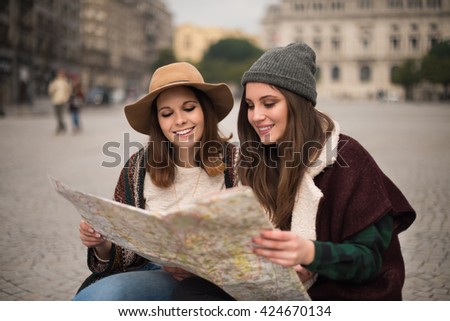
x,y
75,104
186,157
60,90
336,215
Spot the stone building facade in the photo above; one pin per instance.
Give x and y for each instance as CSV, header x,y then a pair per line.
x,y
36,37
107,43
191,41
359,43
120,41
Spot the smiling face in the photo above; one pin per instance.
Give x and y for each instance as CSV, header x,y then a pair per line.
x,y
267,111
180,116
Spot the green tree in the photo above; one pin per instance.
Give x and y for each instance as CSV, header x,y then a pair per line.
x,y
407,75
436,66
166,56
228,59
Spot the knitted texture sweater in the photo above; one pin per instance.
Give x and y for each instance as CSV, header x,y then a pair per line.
x,y
356,194
130,190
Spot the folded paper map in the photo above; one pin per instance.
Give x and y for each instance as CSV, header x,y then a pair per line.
x,y
211,237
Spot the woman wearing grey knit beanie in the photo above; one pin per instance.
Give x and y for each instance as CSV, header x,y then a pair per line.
x,y
336,215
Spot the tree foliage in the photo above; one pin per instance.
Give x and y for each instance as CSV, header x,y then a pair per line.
x,y
407,75
165,57
436,65
228,59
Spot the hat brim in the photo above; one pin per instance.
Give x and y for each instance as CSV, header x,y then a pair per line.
x,y
138,113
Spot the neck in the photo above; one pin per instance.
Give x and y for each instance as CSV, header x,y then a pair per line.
x,y
185,156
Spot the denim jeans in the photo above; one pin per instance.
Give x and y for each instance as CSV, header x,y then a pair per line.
x,y
150,283
75,120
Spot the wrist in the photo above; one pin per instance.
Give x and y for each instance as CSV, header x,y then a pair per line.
x,y
102,252
99,257
309,253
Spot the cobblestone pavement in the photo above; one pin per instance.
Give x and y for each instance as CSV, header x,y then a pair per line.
x,y
43,259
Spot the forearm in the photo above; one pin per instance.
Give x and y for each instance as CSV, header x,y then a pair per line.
x,y
103,252
356,260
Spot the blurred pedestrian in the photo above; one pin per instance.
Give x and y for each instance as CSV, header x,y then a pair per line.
x,y
75,103
60,90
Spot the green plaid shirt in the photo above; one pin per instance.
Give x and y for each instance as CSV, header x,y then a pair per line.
x,y
357,259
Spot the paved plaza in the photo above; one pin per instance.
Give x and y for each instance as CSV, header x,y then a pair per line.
x,y
42,257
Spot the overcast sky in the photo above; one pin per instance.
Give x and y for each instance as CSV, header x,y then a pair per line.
x,y
235,14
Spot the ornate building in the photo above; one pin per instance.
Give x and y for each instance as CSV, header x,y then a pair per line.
x,y
107,43
359,42
36,37
191,42
121,39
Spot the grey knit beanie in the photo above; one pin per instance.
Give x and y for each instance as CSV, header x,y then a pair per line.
x,y
291,67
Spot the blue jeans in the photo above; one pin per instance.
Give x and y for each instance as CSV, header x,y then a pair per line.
x,y
75,119
150,283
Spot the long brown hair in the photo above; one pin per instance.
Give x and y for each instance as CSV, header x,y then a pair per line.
x,y
160,163
275,172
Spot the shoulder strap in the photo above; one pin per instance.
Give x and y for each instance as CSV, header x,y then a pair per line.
x,y
230,160
134,178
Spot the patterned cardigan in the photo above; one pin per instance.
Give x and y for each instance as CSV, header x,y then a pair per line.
x,y
129,190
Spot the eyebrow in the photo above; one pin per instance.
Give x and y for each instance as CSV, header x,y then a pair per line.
x,y
268,96
264,97
184,103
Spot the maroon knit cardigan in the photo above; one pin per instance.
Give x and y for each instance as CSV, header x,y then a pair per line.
x,y
356,194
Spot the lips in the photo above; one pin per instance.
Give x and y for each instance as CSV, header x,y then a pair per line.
x,y
264,130
184,132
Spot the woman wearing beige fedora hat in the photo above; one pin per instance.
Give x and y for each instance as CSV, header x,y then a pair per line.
x,y
186,157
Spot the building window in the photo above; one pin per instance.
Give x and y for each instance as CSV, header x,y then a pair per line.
x,y
299,7
365,74
394,71
335,73
434,4
432,41
365,4
336,44
337,5
317,6
317,43
395,4
414,42
395,43
413,4
365,43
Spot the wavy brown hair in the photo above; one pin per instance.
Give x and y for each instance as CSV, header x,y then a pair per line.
x,y
160,159
275,172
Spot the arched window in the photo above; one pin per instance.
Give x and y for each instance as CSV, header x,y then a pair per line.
x,y
365,74
335,73
394,72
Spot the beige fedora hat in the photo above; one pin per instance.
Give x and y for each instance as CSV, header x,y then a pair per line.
x,y
177,74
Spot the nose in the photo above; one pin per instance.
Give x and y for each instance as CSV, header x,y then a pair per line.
x,y
256,114
180,119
